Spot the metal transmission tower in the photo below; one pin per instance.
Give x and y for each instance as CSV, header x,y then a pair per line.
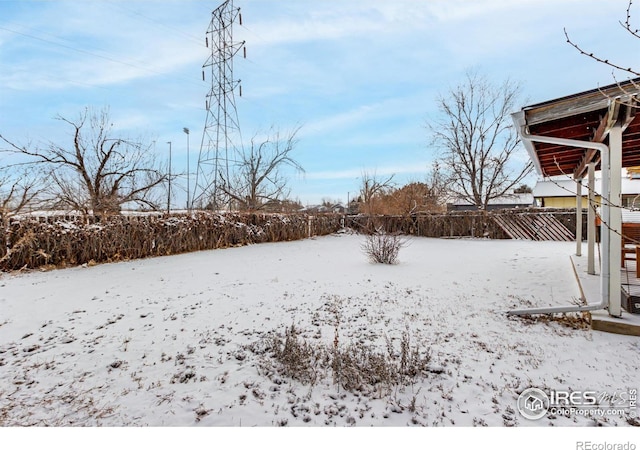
x,y
221,138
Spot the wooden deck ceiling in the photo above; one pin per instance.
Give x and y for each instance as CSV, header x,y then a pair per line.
x,y
585,116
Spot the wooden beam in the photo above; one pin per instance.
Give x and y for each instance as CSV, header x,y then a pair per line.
x,y
599,135
590,156
609,326
629,113
606,123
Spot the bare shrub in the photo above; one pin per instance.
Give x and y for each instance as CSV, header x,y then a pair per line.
x,y
382,247
361,365
298,359
355,367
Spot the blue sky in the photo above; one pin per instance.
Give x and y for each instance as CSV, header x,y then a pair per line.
x,y
360,77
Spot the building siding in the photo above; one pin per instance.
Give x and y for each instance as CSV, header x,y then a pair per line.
x,y
565,202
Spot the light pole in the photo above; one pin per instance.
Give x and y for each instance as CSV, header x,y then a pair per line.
x,y
169,195
186,130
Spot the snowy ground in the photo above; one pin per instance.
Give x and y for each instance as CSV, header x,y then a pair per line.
x,y
180,340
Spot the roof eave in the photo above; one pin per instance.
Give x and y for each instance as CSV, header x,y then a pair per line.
x,y
519,120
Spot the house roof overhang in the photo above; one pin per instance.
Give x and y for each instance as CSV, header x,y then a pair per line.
x,y
586,116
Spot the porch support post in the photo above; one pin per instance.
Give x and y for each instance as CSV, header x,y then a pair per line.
x,y
579,217
605,265
615,219
591,220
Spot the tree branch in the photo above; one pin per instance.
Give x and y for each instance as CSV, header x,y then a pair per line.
x,y
597,58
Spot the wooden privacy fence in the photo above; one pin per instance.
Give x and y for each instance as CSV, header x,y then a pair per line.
x,y
431,225
32,242
530,223
535,227
37,241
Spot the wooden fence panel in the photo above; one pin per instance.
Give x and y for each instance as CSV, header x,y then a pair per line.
x,y
531,223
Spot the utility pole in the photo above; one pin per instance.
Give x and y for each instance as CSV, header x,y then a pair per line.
x,y
169,195
186,130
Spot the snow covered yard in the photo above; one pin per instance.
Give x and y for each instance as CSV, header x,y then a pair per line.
x,y
185,340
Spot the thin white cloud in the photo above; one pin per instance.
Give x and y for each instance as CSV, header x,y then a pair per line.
x,y
397,109
344,20
90,46
337,20
340,120
418,167
345,174
458,10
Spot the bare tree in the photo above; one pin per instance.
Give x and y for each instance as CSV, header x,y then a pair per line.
x,y
371,188
97,173
438,186
259,179
413,198
634,32
20,191
477,140
406,200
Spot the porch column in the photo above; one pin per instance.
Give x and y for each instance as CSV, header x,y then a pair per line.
x,y
579,217
615,219
605,266
591,220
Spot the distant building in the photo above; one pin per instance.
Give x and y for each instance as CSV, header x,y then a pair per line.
x,y
560,191
337,208
505,202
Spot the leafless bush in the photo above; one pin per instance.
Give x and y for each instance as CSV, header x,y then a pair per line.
x,y
297,359
363,366
382,247
356,367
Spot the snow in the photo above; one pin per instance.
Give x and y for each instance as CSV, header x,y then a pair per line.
x,y
176,341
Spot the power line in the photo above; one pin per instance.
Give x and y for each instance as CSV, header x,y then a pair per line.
x,y
157,22
90,53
